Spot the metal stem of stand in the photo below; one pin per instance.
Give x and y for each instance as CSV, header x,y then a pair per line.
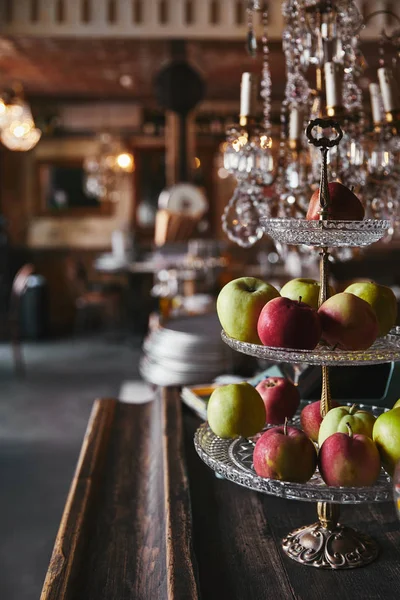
x,y
326,544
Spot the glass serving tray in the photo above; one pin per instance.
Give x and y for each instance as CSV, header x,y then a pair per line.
x,y
385,349
233,460
325,233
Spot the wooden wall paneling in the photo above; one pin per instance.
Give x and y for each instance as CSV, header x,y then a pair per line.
x,y
15,169
172,128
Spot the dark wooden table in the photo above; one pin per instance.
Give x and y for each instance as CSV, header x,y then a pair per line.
x,y
147,520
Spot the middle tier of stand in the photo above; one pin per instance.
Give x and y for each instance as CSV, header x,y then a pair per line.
x,y
383,350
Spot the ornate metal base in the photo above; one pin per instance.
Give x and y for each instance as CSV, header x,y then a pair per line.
x,y
338,548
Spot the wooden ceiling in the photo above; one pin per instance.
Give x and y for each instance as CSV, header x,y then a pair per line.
x,y
115,68
101,69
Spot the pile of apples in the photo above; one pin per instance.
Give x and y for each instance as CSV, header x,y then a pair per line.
x,y
349,445
251,310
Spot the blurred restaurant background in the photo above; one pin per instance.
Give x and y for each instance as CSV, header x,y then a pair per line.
x,y
136,158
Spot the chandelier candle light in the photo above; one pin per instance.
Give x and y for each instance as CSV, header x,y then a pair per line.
x,y
323,38
248,153
104,169
18,130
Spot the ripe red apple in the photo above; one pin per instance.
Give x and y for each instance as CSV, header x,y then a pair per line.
x,y
349,460
281,399
343,206
348,322
310,418
285,453
285,323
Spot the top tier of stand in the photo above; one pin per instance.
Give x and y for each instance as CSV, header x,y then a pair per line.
x,y
325,233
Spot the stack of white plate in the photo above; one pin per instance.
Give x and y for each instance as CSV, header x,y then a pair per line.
x,y
186,350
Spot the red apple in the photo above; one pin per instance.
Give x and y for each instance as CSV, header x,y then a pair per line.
x,y
285,323
343,204
285,453
348,322
310,418
281,399
349,460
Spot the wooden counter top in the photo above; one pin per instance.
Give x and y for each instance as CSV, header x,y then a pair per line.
x,y
147,520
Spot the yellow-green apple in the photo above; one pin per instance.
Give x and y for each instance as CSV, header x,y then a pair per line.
x,y
386,435
236,410
382,300
310,418
239,304
397,404
306,289
284,323
281,399
361,421
343,204
349,460
348,322
285,453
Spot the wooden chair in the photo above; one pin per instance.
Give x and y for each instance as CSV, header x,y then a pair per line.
x,y
18,288
92,299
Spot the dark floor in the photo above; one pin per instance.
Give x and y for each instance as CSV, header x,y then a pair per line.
x,y
42,422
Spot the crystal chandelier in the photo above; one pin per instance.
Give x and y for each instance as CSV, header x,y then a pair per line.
x,y
324,68
248,156
103,170
17,127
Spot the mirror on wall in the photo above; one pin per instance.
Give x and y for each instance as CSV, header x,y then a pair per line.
x,y
61,189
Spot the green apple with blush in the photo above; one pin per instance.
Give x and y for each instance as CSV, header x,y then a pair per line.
x,y
348,322
239,305
337,419
382,300
306,289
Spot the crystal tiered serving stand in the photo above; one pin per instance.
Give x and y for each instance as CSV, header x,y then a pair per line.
x,y
327,543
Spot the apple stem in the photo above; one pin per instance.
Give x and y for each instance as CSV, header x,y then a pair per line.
x,y
300,297
353,409
349,429
352,188
285,426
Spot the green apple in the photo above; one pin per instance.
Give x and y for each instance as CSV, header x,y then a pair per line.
x,y
381,299
307,289
239,304
397,405
386,435
360,421
236,410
